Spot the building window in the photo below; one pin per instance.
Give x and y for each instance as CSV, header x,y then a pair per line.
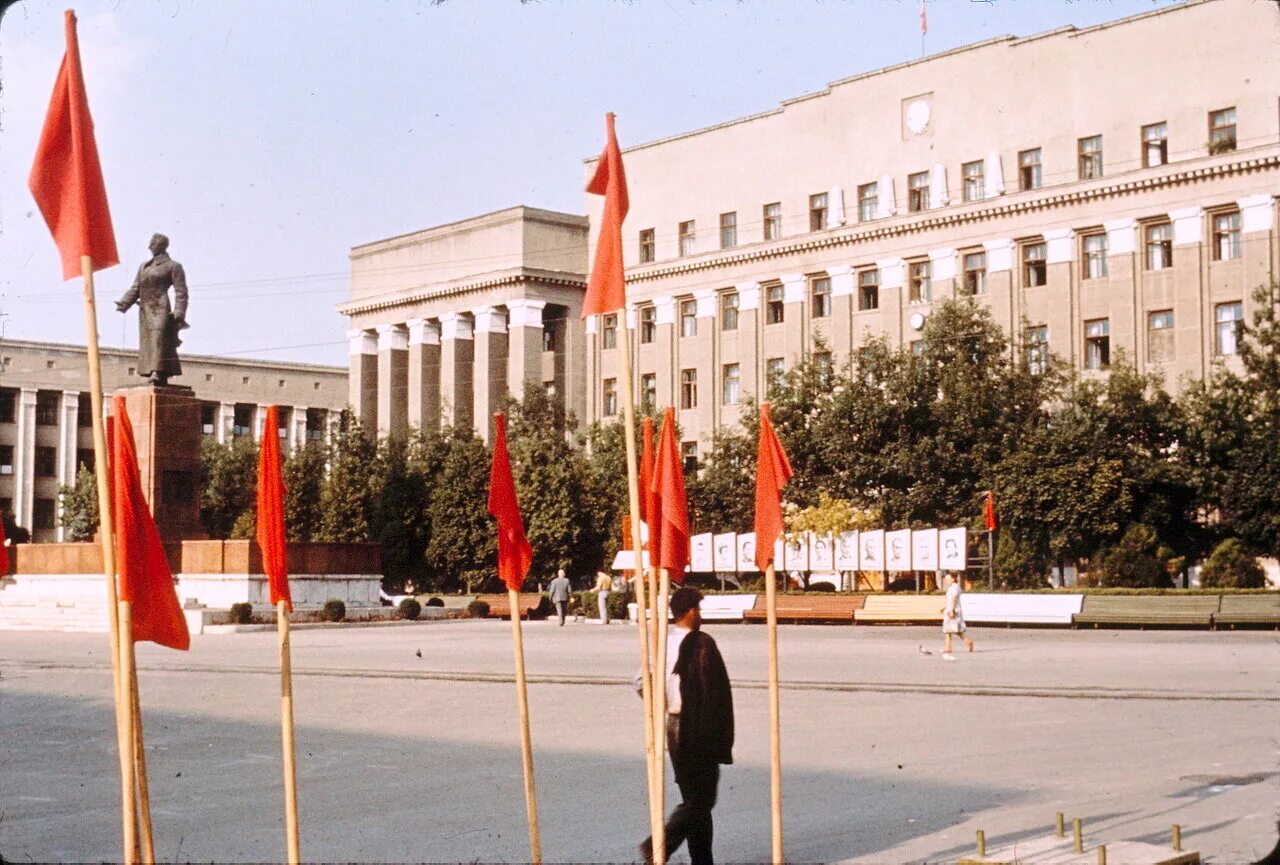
x,y
1155,145
548,337
820,296
609,405
1222,130
689,456
774,308
773,221
208,417
731,384
85,460
1089,152
47,407
775,372
647,247
825,366
43,514
649,390
242,420
972,180
6,460
868,201
316,418
728,230
1035,269
1094,247
609,330
1158,240
920,282
918,191
1029,169
868,290
688,388
8,403
1036,341
1226,236
975,273
688,318
729,310
1228,318
687,245
1097,344
648,324
84,411
818,211
46,462
1160,336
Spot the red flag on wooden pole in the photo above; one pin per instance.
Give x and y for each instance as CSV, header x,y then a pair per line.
x,y
514,553
66,179
670,526
146,582
270,528
773,470
989,511
650,500
606,290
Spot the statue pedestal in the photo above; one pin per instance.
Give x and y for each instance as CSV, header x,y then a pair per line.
x,y
166,429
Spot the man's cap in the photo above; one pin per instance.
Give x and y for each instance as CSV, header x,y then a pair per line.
x,y
683,600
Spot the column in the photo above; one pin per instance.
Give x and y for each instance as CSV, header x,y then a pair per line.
x,y
706,357
892,274
749,339
1122,285
24,460
260,422
225,421
942,273
456,354
591,409
490,366
1061,301
843,306
524,345
423,376
664,344
297,427
68,420
362,381
1000,289
393,382
795,291
1185,287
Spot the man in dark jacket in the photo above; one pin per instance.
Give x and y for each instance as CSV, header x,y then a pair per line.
x,y
699,727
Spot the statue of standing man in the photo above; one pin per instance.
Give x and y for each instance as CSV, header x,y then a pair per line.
x,y
158,326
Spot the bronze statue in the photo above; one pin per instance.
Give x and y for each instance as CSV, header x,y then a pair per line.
x,y
157,326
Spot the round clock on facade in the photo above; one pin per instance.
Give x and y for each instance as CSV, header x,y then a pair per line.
x,y
917,320
918,116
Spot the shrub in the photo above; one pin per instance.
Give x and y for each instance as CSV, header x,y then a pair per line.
x,y
544,608
435,602
823,586
410,609
478,609
1136,561
334,611
1232,565
618,603
242,613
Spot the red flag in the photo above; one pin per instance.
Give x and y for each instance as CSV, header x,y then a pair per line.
x,y
924,20
989,511
514,553
145,579
606,290
270,532
4,553
66,179
773,470
650,501
672,529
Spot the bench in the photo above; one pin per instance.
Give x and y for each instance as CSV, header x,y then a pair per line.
x,y
807,608
1009,609
726,608
1249,610
1142,610
902,609
500,605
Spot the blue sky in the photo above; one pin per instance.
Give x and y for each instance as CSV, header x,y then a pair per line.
x,y
267,138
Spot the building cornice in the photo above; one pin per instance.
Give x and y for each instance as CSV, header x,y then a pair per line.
x,y
970,213
401,297
210,359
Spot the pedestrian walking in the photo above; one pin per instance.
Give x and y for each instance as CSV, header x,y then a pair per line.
x,y
560,590
699,728
953,618
604,585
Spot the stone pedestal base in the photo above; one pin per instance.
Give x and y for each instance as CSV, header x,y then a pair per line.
x,y
166,428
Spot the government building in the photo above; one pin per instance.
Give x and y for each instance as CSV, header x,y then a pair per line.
x,y
1101,190
46,423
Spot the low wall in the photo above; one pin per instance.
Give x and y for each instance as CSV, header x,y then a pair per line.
x,y
220,591
205,557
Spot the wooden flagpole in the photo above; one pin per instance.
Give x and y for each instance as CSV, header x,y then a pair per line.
x,y
148,841
128,782
288,750
660,702
526,742
106,529
642,596
775,729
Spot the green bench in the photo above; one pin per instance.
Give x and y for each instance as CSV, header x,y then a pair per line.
x,y
1249,610
1143,610
807,608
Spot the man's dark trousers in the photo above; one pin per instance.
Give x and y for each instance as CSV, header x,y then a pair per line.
x,y
691,820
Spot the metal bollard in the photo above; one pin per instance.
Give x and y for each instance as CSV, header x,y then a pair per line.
x,y
1077,829
1059,825
982,843
1177,837
1102,854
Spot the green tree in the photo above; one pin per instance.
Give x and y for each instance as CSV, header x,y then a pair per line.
x,y
462,551
304,480
398,519
607,498
722,495
1233,565
1137,561
351,492
80,507
230,483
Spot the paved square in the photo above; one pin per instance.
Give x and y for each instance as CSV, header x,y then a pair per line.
x,y
889,754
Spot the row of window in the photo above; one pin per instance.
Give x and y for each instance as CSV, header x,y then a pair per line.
x,y
46,460
973,186
730,384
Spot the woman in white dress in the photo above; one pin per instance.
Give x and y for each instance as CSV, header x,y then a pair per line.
x,y
953,619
